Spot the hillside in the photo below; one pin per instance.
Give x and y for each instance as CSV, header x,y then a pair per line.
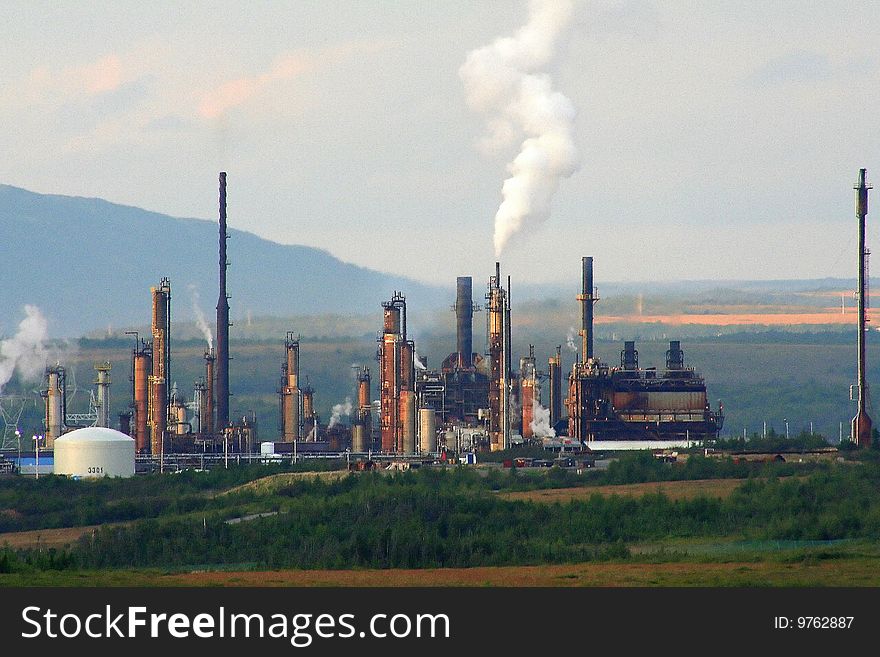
x,y
88,263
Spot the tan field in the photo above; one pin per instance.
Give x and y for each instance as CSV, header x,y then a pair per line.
x,y
46,538
829,316
676,490
829,573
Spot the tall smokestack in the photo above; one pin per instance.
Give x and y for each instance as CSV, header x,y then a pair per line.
x,y
861,424
222,384
464,315
587,300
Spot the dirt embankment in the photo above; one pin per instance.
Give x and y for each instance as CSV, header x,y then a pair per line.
x,y
267,485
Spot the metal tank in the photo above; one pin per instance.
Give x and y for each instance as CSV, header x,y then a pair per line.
x,y
427,431
94,452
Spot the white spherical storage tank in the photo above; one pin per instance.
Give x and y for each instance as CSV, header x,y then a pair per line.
x,y
94,452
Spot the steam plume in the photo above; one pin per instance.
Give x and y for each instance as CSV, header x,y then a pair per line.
x,y
417,361
26,351
200,316
504,81
569,339
338,411
540,423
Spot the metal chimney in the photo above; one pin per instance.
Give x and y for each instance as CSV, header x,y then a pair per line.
x,y
464,314
587,299
222,384
861,424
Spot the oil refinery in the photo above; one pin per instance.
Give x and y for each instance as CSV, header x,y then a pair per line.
x,y
474,401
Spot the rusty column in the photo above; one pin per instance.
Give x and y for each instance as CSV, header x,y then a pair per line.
x,y
161,359
527,380
861,424
364,406
207,416
222,385
498,395
390,344
290,391
555,367
142,367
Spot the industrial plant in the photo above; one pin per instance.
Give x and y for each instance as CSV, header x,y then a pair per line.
x,y
475,401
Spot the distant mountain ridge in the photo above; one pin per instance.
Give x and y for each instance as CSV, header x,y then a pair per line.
x,y
88,263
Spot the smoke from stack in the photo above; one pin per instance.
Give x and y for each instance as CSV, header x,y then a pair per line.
x,y
540,424
504,81
25,351
569,339
201,322
338,411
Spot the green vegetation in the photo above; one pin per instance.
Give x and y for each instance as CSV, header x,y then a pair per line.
x,y
449,517
61,502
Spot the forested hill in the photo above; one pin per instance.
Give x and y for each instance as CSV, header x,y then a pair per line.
x,y
87,263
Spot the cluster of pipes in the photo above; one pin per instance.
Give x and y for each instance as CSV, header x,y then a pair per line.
x,y
298,418
56,419
400,391
155,406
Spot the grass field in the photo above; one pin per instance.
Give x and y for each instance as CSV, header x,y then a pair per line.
x,y
857,571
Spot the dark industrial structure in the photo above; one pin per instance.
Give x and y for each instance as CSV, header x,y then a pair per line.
x,y
460,389
861,424
222,383
631,403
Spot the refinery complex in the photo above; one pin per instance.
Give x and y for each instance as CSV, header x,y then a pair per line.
x,y
473,402
405,410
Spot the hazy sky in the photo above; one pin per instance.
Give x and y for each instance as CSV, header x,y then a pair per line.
x,y
717,139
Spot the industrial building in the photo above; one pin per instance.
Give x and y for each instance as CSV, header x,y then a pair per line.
x,y
629,402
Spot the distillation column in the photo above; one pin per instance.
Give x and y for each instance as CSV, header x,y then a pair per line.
x,y
290,391
161,330
102,381
555,372
142,366
499,362
361,437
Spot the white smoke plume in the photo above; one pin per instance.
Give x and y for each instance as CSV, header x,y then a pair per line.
x,y
540,423
417,361
338,411
504,81
569,339
200,316
26,351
